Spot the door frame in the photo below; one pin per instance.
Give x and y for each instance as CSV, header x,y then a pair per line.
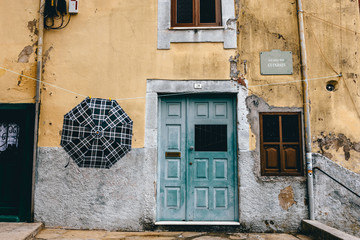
x,y
26,173
156,87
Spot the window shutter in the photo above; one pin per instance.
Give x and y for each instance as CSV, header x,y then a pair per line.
x,y
280,144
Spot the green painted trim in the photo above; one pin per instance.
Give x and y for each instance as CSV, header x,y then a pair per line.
x,y
9,218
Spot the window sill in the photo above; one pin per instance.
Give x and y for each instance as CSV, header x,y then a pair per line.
x,y
282,178
197,28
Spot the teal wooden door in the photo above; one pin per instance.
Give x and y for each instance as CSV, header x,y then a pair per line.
x,y
197,167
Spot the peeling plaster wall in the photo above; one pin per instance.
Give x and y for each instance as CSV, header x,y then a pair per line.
x,y
18,31
334,205
264,26
267,203
334,46
332,42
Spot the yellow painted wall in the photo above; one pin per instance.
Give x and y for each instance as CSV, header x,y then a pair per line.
x,y
108,50
18,43
332,44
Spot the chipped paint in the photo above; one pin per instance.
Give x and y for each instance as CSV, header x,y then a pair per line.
x,y
32,26
46,55
25,54
286,198
338,147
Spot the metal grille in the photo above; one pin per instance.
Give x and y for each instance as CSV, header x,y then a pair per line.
x,y
9,136
212,138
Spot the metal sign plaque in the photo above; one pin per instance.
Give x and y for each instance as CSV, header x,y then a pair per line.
x,y
172,154
276,62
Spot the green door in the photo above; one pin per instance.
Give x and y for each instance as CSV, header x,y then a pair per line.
x,y
16,138
197,167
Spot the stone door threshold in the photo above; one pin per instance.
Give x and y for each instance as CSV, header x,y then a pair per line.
x,y
204,223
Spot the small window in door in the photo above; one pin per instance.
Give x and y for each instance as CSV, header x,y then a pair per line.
x,y
195,13
211,138
280,144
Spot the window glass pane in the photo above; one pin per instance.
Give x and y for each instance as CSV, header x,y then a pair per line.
x,y
207,11
290,128
211,138
271,128
184,11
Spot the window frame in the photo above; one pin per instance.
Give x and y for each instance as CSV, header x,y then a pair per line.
x,y
196,15
282,170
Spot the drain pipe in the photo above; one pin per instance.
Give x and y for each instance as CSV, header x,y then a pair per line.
x,y
37,98
306,111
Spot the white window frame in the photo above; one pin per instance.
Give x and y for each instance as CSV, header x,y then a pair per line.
x,y
225,33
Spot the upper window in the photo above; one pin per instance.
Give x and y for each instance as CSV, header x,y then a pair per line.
x,y
190,21
281,148
195,13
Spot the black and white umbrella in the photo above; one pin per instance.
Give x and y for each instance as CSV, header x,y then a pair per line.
x,y
97,133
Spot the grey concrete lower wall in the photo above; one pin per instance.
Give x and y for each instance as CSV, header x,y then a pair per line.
x,y
123,197
119,198
276,204
334,205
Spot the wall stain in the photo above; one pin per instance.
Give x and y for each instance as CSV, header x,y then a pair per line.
x,y
234,73
331,141
46,57
20,78
286,198
32,26
25,54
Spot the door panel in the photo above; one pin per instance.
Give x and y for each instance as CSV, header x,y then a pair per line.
x,y
201,184
171,192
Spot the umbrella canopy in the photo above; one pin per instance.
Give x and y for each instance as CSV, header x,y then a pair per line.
x,y
97,133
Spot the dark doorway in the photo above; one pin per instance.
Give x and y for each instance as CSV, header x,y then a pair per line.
x,y
16,148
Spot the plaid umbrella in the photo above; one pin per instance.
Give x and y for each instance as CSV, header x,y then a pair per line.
x,y
97,133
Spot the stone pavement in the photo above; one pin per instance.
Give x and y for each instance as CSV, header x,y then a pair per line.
x,y
19,231
58,234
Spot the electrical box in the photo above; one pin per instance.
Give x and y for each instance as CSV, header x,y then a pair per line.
x,y
73,6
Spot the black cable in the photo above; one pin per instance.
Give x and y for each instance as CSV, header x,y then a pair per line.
x,y
55,9
62,22
61,7
65,24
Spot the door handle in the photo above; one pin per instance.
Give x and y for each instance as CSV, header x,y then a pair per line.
x,y
191,147
190,163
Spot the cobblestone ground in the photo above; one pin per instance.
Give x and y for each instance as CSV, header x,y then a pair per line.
x,y
58,234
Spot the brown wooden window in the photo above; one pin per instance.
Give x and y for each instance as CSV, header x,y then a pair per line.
x,y
280,144
195,13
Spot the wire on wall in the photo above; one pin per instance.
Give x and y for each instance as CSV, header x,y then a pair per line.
x,y
330,23
319,47
194,92
54,12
